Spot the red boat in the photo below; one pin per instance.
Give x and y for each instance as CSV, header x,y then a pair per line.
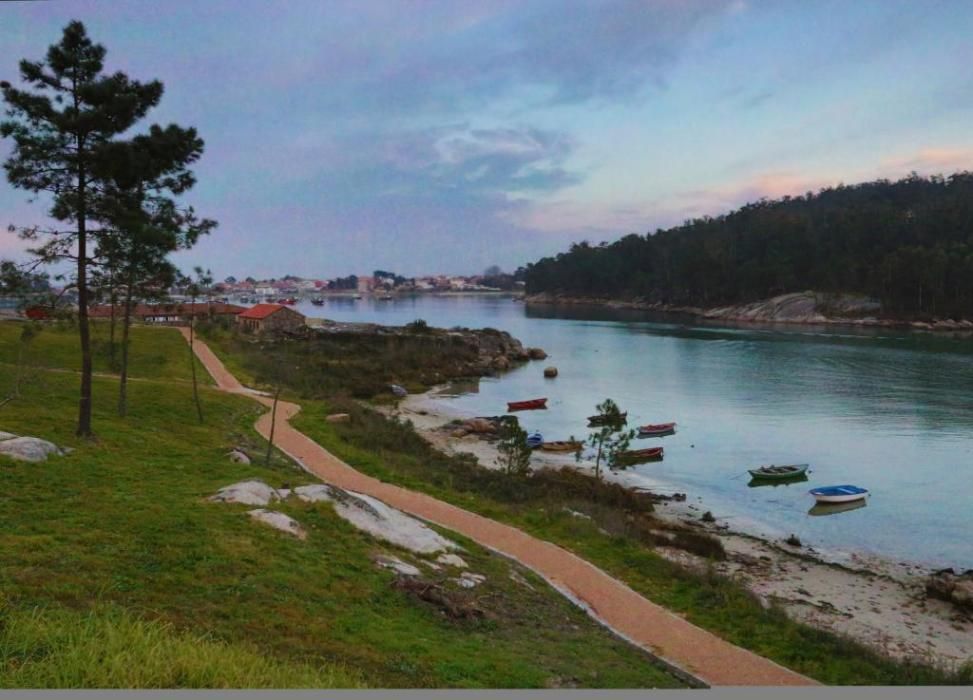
x,y
656,429
526,405
633,456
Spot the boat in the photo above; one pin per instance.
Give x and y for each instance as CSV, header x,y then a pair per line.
x,y
757,482
833,508
633,456
317,302
535,440
777,472
657,429
603,419
562,446
844,493
528,405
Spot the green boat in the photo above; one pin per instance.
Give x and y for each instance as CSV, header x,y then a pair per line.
x,y
756,483
776,472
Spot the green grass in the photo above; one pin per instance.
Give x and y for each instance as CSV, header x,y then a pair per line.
x,y
155,352
58,648
612,540
122,524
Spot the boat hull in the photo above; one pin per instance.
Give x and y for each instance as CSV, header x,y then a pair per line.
x,y
838,494
561,446
843,498
530,405
636,456
790,473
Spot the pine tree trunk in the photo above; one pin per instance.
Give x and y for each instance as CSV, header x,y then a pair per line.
x,y
123,379
192,360
84,403
112,300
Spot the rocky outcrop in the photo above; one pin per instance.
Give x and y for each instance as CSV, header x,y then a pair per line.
x,y
250,493
238,456
798,307
27,449
952,587
278,521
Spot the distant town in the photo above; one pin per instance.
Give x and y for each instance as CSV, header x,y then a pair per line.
x,y
379,283
40,297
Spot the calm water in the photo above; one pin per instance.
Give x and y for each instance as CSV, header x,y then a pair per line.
x,y
887,410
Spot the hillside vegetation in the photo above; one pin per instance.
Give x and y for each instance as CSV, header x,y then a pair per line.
x,y
908,244
117,572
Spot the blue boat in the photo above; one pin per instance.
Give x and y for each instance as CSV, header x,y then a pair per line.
x,y
535,440
838,494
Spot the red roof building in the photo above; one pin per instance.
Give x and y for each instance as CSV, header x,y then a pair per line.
x,y
270,317
169,313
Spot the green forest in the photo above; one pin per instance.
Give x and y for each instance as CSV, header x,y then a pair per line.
x,y
907,244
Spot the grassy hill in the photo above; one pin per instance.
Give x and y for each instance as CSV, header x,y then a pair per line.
x,y
118,573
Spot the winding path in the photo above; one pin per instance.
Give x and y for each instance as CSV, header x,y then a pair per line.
x,y
690,651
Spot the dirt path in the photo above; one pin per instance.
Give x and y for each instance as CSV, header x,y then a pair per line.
x,y
675,641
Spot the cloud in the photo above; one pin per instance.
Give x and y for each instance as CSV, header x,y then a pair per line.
x,y
932,160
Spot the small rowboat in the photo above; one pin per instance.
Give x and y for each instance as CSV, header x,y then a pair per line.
x,y
633,456
783,471
603,419
526,405
562,446
535,440
657,429
757,482
838,494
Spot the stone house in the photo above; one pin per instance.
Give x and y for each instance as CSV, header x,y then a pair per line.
x,y
270,317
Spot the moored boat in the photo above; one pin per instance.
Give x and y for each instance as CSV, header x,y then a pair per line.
x,y
843,493
535,440
633,456
657,429
603,419
317,302
779,471
562,446
757,482
526,405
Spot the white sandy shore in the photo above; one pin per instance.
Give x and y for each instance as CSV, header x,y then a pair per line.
x,y
876,601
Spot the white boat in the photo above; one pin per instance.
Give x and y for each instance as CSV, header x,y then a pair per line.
x,y
844,493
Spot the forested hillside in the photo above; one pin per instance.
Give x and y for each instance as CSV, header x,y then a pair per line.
x,y
908,244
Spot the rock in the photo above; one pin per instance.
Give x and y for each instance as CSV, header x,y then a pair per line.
x,y
451,560
314,493
6,436
951,587
707,517
468,580
550,372
278,521
793,541
458,433
338,418
480,425
28,449
397,565
536,354
239,457
251,493
379,520
500,362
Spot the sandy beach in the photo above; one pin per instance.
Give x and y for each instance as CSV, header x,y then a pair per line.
x,y
876,601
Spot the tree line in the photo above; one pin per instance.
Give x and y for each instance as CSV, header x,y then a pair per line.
x,y
906,243
113,194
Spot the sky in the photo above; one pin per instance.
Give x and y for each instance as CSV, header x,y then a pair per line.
x,y
444,137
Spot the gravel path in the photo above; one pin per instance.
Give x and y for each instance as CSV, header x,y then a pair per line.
x,y
683,646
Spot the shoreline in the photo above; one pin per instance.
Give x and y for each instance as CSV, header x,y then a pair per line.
x,y
759,313
871,599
